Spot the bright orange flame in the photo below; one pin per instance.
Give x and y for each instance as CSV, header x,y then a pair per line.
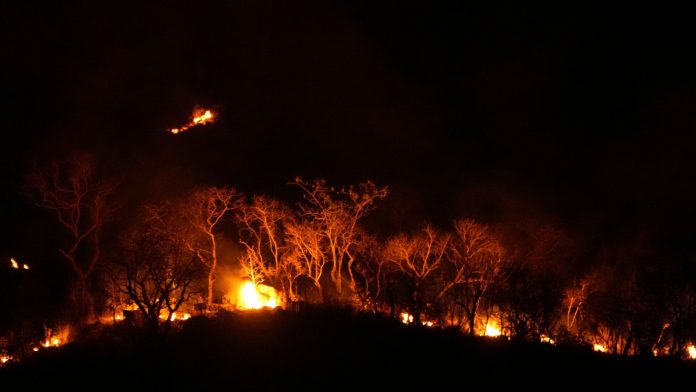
x,y
259,296
25,266
599,348
691,350
547,339
55,340
407,318
176,316
492,329
200,116
14,263
5,358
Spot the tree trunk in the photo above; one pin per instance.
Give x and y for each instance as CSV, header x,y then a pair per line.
x,y
472,316
213,267
211,280
82,300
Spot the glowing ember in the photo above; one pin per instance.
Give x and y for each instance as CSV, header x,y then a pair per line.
x,y
547,339
54,339
691,350
176,316
35,349
200,117
14,263
492,329
5,358
52,342
257,296
406,318
25,266
599,348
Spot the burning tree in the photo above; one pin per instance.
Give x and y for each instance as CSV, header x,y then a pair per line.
x,y
155,268
206,210
263,233
531,295
334,214
79,199
375,272
478,262
681,314
419,258
575,298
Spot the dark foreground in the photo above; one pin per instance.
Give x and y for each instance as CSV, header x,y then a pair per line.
x,y
327,350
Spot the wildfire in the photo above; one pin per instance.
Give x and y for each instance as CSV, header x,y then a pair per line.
x,y
200,116
406,318
547,339
5,358
15,265
176,316
492,329
599,348
54,340
258,296
691,350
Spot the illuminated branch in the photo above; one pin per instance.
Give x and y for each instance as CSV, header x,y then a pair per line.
x,y
207,208
335,213
477,259
419,258
70,189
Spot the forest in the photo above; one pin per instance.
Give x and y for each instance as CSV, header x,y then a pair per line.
x,y
164,261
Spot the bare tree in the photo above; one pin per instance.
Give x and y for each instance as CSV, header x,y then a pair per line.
x,y
307,252
263,224
531,296
207,209
374,271
419,258
155,268
335,213
71,189
575,297
478,262
681,313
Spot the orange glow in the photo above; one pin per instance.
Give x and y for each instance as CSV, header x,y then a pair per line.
x,y
200,116
547,339
691,350
492,329
4,358
599,348
176,316
54,340
406,318
25,266
14,263
257,296
35,349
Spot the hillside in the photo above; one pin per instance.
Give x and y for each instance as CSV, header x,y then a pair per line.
x,y
327,349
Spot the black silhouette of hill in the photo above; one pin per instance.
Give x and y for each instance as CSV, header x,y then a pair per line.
x,y
327,349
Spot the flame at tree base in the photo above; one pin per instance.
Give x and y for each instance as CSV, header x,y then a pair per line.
x,y
258,296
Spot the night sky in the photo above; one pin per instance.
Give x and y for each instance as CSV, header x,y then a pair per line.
x,y
581,118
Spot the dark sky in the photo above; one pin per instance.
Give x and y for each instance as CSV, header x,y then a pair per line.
x,y
583,118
